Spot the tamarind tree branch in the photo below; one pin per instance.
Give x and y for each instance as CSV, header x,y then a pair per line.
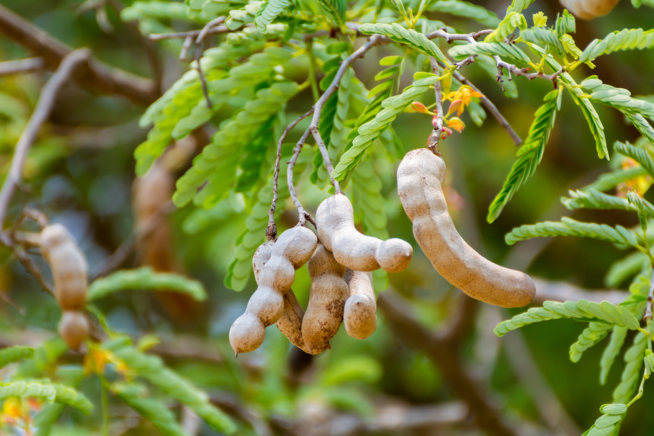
x,y
91,74
22,66
304,215
512,69
486,415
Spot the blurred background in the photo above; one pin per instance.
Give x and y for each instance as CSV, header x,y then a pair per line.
x,y
81,174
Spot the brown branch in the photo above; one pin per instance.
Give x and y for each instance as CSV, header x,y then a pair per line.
x,y
486,415
92,74
435,137
40,115
512,69
304,215
271,231
22,66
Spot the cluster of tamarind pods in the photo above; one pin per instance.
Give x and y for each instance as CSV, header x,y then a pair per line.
x,y
340,260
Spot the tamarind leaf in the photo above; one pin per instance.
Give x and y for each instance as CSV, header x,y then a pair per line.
x,y
530,155
506,27
518,6
590,198
569,227
633,359
270,9
590,337
582,310
625,268
159,10
336,9
46,391
153,410
626,39
640,155
606,424
218,162
489,49
170,383
14,354
640,124
611,351
465,9
147,280
255,156
410,37
371,130
565,23
547,38
617,97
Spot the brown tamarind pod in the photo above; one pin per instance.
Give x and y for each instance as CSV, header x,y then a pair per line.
x,y
360,313
68,266
419,181
589,9
73,328
266,306
290,323
326,300
335,219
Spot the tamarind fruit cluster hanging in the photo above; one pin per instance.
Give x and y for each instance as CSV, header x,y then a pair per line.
x,y
420,179
266,306
70,275
589,9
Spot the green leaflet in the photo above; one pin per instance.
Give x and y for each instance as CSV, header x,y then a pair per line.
x,y
582,310
368,204
14,354
151,409
627,39
531,153
490,49
152,369
640,124
617,97
371,130
336,9
640,155
625,268
506,27
46,391
245,15
253,162
611,351
218,162
410,37
547,38
158,10
215,8
147,280
256,224
268,12
465,9
633,359
609,422
590,337
590,198
519,6
569,227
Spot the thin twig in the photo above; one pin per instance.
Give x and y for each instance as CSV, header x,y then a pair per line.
x,y
438,121
22,66
199,49
650,296
271,231
512,69
183,54
303,214
193,33
40,115
31,268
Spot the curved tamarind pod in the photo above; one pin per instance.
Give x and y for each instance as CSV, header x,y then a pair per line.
x,y
290,324
326,300
68,265
335,219
419,181
589,9
73,328
360,314
266,306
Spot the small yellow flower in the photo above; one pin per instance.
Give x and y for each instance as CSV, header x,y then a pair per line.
x,y
540,20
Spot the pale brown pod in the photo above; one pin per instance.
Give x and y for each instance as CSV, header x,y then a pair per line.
x,y
68,266
360,314
589,9
326,300
290,324
335,219
419,181
266,306
73,328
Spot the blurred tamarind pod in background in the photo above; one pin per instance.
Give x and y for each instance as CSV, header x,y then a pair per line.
x,y
70,276
589,9
156,248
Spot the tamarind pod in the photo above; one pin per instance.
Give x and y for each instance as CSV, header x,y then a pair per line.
x,y
326,300
335,219
360,313
275,278
68,265
589,9
73,328
419,179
